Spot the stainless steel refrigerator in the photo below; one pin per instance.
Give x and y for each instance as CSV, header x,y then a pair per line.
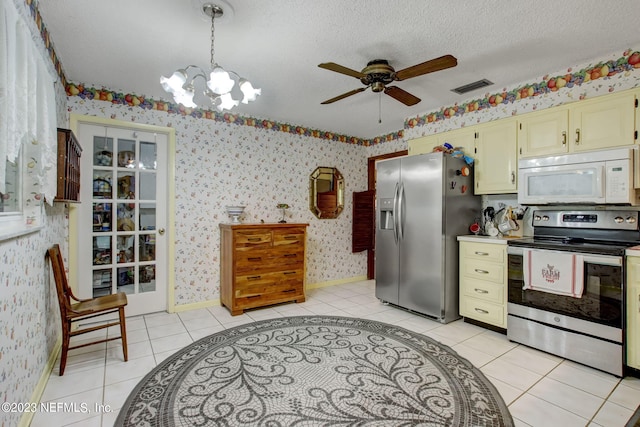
x,y
423,203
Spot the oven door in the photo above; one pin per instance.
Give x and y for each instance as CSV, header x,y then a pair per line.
x,y
602,299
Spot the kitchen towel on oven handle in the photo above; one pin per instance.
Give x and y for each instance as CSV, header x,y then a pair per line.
x,y
555,272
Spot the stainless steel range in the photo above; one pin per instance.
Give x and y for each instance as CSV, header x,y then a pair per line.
x,y
566,285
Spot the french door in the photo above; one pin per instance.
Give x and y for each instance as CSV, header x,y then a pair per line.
x,y
122,224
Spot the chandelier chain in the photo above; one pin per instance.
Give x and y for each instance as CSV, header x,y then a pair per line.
x,y
213,37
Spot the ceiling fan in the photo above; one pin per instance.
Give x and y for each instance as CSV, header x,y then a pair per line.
x,y
378,74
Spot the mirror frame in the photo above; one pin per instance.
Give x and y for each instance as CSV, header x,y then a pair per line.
x,y
331,204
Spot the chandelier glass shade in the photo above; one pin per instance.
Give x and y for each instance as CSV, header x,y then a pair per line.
x,y
219,83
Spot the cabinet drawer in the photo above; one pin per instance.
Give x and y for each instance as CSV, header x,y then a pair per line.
x,y
484,251
265,260
291,293
288,237
483,311
484,290
249,239
267,279
483,270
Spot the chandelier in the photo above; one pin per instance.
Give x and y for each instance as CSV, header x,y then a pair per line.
x,y
219,82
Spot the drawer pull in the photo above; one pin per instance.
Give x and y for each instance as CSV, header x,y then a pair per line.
x,y
477,270
481,253
254,259
479,310
253,277
289,290
290,237
290,255
289,272
481,291
254,239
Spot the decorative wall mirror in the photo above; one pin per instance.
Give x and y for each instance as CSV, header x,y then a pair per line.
x,y
326,192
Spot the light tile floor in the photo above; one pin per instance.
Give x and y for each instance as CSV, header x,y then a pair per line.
x,y
540,389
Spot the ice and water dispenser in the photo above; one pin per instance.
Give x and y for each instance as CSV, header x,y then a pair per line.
x,y
386,214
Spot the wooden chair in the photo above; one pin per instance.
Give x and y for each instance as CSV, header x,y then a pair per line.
x,y
84,309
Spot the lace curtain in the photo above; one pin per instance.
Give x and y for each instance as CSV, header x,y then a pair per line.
x,y
27,103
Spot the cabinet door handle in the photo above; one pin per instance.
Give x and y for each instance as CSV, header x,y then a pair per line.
x,y
481,291
290,255
513,177
255,259
290,237
253,277
289,272
564,138
577,136
477,270
289,290
254,239
481,253
479,310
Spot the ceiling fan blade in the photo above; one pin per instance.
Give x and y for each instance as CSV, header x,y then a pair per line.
x,y
344,95
437,64
401,95
332,66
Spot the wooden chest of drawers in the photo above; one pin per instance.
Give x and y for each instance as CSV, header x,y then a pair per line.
x,y
261,264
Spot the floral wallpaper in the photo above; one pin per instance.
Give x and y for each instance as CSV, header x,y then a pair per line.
x,y
621,71
220,163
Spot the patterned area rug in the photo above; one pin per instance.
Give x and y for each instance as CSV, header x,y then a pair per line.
x,y
315,371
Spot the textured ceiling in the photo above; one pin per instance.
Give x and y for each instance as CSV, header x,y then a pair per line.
x,y
125,45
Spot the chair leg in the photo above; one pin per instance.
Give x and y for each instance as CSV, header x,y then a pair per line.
x,y
123,333
65,346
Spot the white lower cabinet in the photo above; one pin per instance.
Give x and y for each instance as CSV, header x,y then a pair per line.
x,y
483,282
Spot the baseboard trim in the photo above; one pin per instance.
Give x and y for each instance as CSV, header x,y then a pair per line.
x,y
27,417
336,282
194,306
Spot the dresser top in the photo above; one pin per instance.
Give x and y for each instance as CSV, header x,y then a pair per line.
x,y
262,225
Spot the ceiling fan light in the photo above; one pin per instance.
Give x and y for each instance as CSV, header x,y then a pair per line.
x,y
226,102
250,93
174,83
219,81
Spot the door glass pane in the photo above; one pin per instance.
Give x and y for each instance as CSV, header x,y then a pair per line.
x,y
126,249
126,153
126,216
126,185
101,282
102,184
101,217
102,151
101,250
147,278
147,216
147,247
147,186
126,280
147,155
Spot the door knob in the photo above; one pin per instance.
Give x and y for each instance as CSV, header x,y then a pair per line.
x,y
161,231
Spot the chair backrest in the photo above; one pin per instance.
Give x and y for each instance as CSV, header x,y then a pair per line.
x,y
60,277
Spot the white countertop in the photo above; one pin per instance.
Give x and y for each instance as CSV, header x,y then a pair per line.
x,y
633,251
498,240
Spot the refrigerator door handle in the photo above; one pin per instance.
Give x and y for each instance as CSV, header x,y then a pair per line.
x,y
395,212
400,220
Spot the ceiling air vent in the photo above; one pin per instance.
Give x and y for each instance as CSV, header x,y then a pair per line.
x,y
472,86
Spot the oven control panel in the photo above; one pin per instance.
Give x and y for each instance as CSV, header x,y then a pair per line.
x,y
617,220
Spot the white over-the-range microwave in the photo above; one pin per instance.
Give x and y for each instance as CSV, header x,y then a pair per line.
x,y
597,177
